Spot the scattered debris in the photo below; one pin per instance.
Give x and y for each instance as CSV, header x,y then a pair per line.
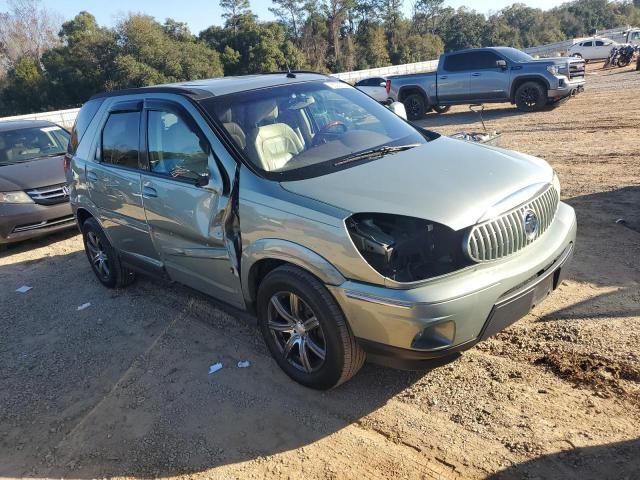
x,y
244,364
215,367
23,289
84,305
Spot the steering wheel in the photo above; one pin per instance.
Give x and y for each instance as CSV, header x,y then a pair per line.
x,y
327,131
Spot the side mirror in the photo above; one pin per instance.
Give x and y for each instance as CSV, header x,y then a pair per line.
x,y
501,64
398,109
383,84
202,181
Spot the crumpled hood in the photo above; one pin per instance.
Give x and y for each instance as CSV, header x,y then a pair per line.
x,y
33,174
452,182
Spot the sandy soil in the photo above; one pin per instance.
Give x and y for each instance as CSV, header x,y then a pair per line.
x,y
121,388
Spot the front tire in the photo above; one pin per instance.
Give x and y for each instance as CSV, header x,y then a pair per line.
x,y
103,258
415,106
305,329
530,97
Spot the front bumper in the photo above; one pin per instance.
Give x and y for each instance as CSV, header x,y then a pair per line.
x,y
452,313
566,88
28,220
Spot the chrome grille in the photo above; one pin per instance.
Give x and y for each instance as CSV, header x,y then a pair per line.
x,y
506,234
49,195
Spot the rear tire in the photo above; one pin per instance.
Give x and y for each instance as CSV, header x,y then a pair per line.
x,y
103,258
530,97
305,329
441,109
415,106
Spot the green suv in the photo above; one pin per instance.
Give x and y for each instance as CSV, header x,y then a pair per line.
x,y
350,233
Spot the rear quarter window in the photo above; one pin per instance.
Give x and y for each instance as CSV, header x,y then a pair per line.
x,y
85,115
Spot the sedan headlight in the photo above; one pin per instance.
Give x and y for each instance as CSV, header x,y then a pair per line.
x,y
553,69
15,197
406,249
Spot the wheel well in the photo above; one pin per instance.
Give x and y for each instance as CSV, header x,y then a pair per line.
x,y
405,92
519,82
258,271
82,215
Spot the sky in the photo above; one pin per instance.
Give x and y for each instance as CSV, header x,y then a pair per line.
x,y
199,14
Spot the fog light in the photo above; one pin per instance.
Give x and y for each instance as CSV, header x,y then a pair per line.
x,y
435,336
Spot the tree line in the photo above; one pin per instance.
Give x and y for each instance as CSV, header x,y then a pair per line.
x,y
49,64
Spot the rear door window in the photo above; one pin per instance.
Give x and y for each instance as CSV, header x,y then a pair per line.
x,y
458,62
121,139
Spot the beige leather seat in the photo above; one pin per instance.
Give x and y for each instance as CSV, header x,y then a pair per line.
x,y
236,132
272,144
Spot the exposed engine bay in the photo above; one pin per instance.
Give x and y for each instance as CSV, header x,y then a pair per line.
x,y
406,249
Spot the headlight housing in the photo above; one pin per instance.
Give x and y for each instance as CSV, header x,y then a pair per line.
x,y
553,69
15,197
406,249
556,183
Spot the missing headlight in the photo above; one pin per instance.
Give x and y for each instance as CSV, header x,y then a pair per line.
x,y
406,249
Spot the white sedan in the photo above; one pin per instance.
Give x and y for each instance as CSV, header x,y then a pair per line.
x,y
595,48
375,87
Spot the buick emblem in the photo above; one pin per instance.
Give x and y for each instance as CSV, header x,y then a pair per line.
x,y
65,190
531,224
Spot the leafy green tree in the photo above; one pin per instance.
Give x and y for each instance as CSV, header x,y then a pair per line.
x,y
291,13
374,48
234,11
25,89
420,48
462,28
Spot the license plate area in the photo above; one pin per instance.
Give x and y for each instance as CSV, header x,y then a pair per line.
x,y
511,310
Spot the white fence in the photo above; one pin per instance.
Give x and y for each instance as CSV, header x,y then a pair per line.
x,y
64,118
419,67
67,117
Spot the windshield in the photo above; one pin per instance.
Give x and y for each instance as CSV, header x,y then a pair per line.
x,y
312,128
516,55
26,144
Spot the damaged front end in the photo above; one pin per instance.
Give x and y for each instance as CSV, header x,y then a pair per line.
x,y
407,249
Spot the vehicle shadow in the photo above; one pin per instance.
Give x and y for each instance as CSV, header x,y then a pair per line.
x,y
613,215
602,462
121,387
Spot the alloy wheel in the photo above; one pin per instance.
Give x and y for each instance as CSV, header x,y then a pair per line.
x,y
530,96
414,107
99,258
296,331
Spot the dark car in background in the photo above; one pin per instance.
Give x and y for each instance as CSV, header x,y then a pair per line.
x,y
34,198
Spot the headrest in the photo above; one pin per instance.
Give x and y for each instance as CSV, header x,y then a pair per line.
x,y
226,116
264,110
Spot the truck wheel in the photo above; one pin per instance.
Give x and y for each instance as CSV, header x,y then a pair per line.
x,y
103,258
415,106
305,329
441,109
530,97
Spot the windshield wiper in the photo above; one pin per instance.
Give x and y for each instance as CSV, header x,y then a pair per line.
x,y
376,153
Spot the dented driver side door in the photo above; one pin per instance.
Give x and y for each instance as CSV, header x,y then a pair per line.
x,y
187,196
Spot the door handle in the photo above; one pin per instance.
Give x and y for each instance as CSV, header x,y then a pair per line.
x,y
149,192
475,74
443,77
92,177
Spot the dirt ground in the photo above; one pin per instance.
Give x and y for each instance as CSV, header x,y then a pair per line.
x,y
121,388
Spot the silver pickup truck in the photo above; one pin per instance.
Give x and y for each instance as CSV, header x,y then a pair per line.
x,y
488,75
